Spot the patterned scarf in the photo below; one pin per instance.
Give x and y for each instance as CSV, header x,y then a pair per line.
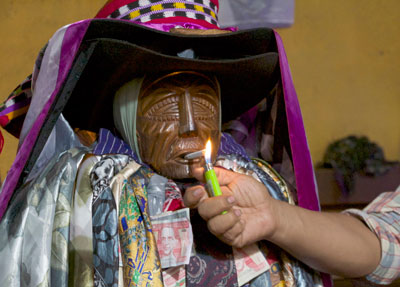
x,y
139,251
105,224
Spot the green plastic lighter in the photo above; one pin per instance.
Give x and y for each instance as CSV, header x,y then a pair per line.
x,y
213,187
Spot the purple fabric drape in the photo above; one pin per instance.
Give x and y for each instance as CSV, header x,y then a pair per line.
x,y
70,44
305,178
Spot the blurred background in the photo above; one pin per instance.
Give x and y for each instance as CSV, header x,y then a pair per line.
x,y
344,57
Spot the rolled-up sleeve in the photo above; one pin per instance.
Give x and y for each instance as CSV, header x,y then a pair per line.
x,y
382,216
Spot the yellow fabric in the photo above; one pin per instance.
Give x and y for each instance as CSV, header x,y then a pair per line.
x,y
134,14
213,14
17,113
180,5
157,7
138,246
199,8
117,184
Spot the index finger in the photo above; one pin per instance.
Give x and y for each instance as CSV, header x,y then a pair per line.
x,y
224,176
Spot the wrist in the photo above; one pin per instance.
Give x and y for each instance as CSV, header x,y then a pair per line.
x,y
281,225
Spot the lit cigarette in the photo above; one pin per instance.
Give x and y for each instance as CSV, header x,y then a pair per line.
x,y
195,154
213,187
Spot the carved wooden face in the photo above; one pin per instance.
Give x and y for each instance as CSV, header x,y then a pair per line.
x,y
176,115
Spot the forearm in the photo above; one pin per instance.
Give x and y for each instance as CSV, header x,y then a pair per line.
x,y
330,242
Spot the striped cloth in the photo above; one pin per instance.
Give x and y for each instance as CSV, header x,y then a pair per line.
x,y
107,143
383,217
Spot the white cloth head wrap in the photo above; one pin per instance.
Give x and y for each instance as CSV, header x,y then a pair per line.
x,y
125,110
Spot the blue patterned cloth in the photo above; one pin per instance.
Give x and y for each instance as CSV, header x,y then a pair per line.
x,y
105,220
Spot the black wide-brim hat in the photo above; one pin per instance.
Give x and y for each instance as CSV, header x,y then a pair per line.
x,y
114,52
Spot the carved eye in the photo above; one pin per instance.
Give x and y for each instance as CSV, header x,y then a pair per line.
x,y
167,109
203,109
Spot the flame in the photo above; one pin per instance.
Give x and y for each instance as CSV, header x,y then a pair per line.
x,y
208,152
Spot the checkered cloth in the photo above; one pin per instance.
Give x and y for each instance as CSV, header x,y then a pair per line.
x,y
148,10
383,217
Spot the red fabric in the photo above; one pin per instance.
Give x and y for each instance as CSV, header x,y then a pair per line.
x,y
3,121
175,204
113,5
216,4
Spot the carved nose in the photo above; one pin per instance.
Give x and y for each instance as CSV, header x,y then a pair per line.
x,y
187,124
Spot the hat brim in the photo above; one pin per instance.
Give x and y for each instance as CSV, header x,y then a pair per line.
x,y
114,52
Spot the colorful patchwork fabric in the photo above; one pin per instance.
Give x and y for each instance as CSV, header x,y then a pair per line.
x,y
383,217
148,10
13,110
139,250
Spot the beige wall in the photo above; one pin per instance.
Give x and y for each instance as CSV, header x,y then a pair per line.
x,y
345,60
25,27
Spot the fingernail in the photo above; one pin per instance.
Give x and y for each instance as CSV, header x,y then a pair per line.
x,y
230,199
197,192
237,212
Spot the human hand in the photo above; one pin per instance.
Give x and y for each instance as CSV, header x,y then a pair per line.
x,y
251,212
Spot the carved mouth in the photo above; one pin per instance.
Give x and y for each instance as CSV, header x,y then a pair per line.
x,y
180,158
